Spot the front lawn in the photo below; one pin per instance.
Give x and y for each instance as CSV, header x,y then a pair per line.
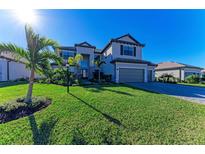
x,y
113,114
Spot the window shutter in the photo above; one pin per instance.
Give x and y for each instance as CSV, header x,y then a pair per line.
x,y
121,49
134,51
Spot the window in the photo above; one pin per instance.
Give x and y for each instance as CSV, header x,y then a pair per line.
x,y
127,50
84,63
190,73
67,54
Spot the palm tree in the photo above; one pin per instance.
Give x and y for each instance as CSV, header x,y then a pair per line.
x,y
98,62
37,56
75,61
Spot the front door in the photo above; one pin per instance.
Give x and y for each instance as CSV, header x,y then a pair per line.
x,y
84,73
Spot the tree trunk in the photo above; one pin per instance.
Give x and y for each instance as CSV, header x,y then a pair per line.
x,y
30,88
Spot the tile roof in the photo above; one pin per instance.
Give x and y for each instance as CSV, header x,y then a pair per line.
x,y
9,56
133,61
171,65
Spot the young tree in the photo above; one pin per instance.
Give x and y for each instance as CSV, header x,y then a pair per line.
x,y
75,61
37,56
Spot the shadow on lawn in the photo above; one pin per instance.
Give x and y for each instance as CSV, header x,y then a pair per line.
x,y
99,88
78,138
42,134
108,117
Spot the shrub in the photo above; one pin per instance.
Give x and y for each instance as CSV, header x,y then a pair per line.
x,y
59,76
17,108
107,78
96,75
192,78
167,78
21,79
203,78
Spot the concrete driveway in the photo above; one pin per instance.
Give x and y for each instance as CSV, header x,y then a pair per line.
x,y
190,93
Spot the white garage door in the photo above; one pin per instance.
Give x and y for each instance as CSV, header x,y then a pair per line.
x,y
131,75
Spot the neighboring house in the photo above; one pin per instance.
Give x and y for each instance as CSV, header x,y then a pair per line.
x,y
10,69
122,56
203,72
178,70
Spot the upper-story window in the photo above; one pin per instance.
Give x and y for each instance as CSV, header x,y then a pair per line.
x,y
128,51
67,54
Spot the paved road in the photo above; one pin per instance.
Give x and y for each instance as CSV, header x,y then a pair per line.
x,y
191,93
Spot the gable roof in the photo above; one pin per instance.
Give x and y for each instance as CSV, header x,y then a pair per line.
x,y
119,40
67,48
85,44
129,36
173,65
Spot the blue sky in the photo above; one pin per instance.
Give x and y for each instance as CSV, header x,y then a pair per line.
x,y
169,35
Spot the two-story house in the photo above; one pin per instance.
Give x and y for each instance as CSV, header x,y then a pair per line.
x,y
122,56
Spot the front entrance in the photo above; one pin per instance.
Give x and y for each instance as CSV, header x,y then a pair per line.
x,y
84,73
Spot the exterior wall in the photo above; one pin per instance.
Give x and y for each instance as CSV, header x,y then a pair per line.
x,y
108,68
129,65
90,52
16,70
152,68
3,70
175,72
116,51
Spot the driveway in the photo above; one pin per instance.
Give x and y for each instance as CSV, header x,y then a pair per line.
x,y
190,93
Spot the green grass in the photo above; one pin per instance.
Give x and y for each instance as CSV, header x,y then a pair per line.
x,y
113,114
193,84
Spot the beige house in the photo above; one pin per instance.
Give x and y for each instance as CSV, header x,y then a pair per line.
x,y
203,72
178,70
122,57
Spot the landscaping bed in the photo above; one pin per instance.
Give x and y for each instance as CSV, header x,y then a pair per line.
x,y
17,108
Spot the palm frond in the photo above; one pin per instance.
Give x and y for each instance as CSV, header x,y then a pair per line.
x,y
51,56
45,43
17,52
